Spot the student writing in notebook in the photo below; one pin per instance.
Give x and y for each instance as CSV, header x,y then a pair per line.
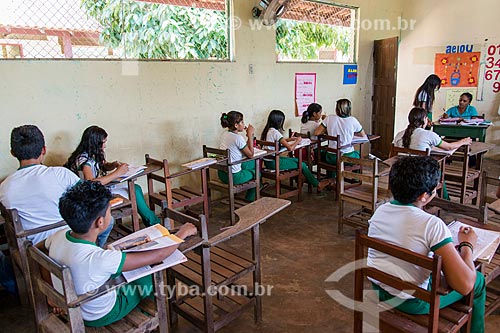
x,y
85,207
403,222
89,162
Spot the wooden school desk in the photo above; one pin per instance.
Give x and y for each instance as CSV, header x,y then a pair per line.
x,y
131,192
461,131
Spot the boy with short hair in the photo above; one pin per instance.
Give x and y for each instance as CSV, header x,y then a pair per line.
x,y
85,207
403,222
34,189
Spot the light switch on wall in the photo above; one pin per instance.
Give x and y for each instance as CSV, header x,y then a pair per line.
x,y
250,69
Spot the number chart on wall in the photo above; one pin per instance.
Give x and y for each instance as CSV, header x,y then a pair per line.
x,y
492,70
457,69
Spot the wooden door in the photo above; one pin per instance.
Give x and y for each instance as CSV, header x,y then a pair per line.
x,y
385,56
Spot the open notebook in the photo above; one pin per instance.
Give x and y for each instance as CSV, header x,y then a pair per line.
x,y
487,241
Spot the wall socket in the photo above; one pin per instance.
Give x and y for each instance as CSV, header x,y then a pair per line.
x,y
250,69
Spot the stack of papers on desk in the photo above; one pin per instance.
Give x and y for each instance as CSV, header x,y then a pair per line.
x,y
487,241
200,163
476,121
132,171
441,151
449,121
304,143
258,152
359,139
175,258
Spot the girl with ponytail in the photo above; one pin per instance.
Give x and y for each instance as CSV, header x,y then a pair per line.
x,y
311,119
416,137
238,149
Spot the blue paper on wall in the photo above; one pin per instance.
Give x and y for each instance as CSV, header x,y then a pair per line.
x,y
350,74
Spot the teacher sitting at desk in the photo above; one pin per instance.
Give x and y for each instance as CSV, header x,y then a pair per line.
x,y
463,110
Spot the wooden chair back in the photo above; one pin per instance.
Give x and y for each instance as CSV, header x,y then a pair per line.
x,y
392,320
230,188
489,198
365,191
282,190
172,197
308,154
213,268
395,151
323,149
462,180
144,319
17,239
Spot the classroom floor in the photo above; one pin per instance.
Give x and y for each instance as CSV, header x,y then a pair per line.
x,y
300,248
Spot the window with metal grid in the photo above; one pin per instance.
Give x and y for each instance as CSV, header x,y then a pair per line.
x,y
115,29
316,31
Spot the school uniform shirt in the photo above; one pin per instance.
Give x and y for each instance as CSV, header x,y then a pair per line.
x,y
84,159
409,227
345,127
469,112
310,127
273,135
235,143
421,139
423,97
90,266
34,191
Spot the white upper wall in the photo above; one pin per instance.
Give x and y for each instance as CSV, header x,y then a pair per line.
x,y
170,109
438,24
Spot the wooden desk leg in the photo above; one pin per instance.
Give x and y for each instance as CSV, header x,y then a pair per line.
x,y
257,178
257,274
133,201
161,301
204,192
477,181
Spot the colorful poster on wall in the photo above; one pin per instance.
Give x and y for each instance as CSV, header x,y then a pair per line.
x,y
453,95
305,91
350,74
457,69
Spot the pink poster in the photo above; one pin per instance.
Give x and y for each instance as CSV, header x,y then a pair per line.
x,y
305,91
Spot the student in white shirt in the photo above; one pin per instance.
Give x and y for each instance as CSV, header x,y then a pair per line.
x,y
238,149
85,207
34,190
403,222
311,119
89,162
345,125
273,133
415,136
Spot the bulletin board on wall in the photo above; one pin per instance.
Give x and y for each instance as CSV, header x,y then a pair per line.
x,y
453,95
305,91
457,69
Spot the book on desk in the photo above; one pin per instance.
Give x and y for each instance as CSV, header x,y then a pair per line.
x,y
151,238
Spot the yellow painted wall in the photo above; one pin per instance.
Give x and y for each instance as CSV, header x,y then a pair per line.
x,y
438,24
170,109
